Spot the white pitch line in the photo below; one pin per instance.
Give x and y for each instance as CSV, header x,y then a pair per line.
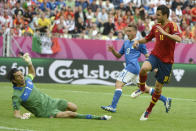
x,y
14,129
182,99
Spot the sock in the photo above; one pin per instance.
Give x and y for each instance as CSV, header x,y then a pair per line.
x,y
116,97
83,116
162,98
143,79
155,98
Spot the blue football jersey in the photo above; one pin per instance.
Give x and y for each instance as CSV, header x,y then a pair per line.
x,y
132,55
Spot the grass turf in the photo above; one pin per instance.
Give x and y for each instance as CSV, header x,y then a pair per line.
x,y
89,98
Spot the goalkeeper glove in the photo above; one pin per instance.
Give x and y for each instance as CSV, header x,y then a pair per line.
x,y
27,58
26,116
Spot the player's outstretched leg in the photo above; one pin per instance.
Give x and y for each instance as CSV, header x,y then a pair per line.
x,y
116,97
155,97
165,100
70,114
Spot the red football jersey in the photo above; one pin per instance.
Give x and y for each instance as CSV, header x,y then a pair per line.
x,y
164,46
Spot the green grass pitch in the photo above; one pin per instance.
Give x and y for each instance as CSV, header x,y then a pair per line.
x,y
89,98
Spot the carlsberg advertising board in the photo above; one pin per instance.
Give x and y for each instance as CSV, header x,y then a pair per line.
x,y
89,72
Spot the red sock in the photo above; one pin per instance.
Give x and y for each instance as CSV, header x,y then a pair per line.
x,y
155,98
143,79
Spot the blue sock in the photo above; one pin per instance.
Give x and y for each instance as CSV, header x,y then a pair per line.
x,y
162,98
116,97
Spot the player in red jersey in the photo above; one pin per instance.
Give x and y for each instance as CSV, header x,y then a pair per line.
x,y
166,35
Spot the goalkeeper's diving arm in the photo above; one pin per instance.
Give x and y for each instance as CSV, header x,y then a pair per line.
x,y
31,68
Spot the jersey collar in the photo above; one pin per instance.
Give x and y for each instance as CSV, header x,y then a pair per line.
x,y
18,88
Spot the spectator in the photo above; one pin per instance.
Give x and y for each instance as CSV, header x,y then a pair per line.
x,y
108,27
178,12
187,36
45,6
193,14
61,4
90,15
141,27
27,16
70,3
83,3
18,20
16,31
93,6
120,36
12,3
27,31
17,10
120,25
175,3
59,26
102,17
107,5
94,31
70,24
191,61
43,23
80,13
68,11
6,20
117,3
80,26
122,7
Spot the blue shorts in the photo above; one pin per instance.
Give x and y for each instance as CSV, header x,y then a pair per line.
x,y
164,69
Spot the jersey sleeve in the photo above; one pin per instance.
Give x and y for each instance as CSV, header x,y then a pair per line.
x,y
122,51
151,35
143,49
15,103
174,29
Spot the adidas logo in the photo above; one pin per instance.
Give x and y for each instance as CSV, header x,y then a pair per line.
x,y
178,73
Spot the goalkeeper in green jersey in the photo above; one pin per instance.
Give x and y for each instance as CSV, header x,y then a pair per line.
x,y
38,103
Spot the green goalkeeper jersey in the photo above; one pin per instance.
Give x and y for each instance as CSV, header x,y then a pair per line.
x,y
38,103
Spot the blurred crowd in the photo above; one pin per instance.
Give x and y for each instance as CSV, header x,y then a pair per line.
x,y
92,19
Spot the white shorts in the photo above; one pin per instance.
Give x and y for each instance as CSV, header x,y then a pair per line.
x,y
128,77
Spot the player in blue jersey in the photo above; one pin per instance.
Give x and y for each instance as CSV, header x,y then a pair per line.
x,y
40,104
131,72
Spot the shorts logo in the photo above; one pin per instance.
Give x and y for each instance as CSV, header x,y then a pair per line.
x,y
166,79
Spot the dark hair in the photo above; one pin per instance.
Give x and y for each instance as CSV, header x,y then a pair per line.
x,y
133,26
164,10
190,59
10,75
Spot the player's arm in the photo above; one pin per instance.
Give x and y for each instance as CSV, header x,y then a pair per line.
x,y
27,59
16,108
144,51
173,37
17,114
148,38
142,41
114,52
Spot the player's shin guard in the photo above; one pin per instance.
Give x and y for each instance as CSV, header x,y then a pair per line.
x,y
143,79
155,98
